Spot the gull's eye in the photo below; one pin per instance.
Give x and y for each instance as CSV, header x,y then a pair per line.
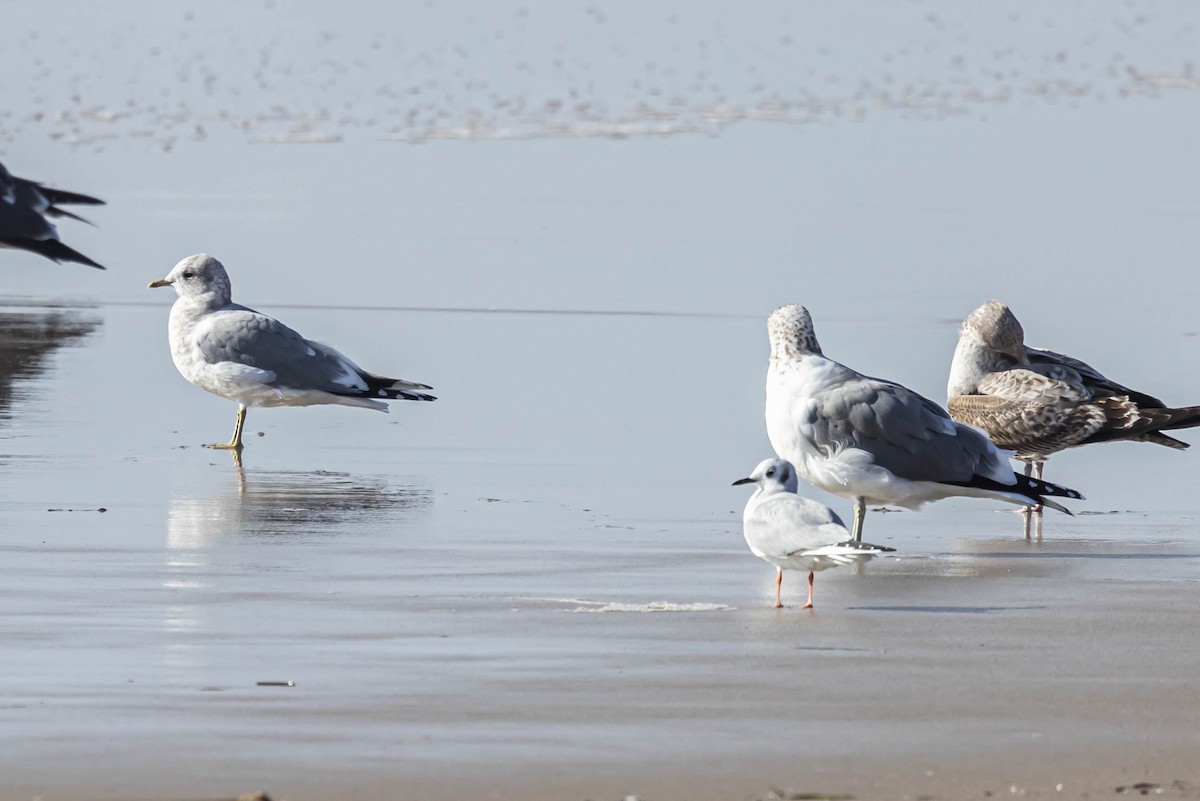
x,y
771,472
189,275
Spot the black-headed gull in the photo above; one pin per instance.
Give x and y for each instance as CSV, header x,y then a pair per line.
x,y
795,533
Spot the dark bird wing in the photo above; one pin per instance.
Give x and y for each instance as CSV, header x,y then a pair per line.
x,y
55,196
1095,381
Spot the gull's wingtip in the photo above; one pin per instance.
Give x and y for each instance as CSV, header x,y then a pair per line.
x,y
1057,507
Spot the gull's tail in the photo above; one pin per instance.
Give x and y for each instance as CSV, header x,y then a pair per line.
x,y
847,552
56,196
1169,420
55,211
1024,490
394,388
1126,420
1184,417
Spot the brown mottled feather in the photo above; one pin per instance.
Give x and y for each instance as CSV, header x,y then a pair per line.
x,y
1033,429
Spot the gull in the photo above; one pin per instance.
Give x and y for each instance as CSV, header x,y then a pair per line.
x,y
795,533
875,441
22,224
1037,402
255,360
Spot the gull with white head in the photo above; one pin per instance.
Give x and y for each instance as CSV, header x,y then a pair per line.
x,y
795,533
255,360
875,441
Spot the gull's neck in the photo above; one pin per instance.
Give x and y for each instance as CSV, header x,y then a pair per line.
x,y
765,492
768,488
972,361
199,304
791,351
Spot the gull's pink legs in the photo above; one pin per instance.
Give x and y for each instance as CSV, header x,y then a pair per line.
x,y
779,588
1029,512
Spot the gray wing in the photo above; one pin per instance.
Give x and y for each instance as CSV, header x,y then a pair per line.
x,y
905,433
1097,383
786,523
244,336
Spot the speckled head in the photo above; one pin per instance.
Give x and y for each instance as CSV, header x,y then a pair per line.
x,y
200,278
791,332
995,326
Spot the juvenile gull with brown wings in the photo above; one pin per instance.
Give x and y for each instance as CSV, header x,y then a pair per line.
x,y
248,357
1037,402
874,441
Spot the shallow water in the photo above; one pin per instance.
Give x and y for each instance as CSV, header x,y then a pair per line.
x,y
553,577
543,571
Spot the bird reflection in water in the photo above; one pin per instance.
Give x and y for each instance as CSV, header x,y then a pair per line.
x,y
28,338
285,503
262,522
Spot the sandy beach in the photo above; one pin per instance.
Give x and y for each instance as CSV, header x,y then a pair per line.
x,y
537,587
453,628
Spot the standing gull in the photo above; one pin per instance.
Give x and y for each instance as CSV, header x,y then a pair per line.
x,y
24,205
248,357
874,441
1038,402
794,533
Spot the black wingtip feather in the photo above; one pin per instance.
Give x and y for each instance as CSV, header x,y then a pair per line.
x,y
56,196
1030,487
52,249
401,394
383,387
55,211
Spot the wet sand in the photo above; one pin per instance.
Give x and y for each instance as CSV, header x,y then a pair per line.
x,y
543,616
950,674
536,588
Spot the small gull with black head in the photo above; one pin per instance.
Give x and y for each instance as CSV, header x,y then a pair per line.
x,y
795,533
